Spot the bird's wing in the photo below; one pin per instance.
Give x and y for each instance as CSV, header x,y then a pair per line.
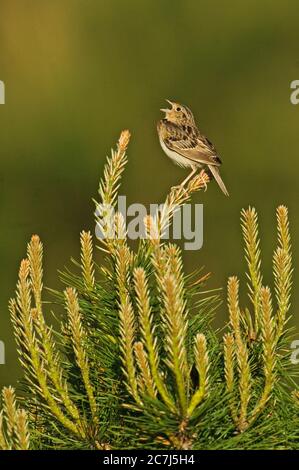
x,y
191,145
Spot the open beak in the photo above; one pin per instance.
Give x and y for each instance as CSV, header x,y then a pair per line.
x,y
166,110
170,102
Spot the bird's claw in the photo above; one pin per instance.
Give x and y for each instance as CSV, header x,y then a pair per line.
x,y
177,187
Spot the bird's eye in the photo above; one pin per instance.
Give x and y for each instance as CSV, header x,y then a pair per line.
x,y
178,109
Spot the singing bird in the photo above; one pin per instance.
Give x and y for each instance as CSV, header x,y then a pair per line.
x,y
182,141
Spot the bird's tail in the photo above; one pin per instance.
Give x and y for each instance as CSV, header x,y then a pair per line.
x,y
215,172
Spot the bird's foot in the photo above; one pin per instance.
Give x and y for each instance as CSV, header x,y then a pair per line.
x,y
177,187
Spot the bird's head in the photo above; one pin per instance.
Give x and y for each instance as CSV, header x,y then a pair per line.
x,y
178,114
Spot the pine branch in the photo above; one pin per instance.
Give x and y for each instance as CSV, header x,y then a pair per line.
x,y
269,327
269,352
78,336
47,348
87,264
249,223
175,326
282,269
156,226
229,371
241,352
127,339
14,434
202,366
108,192
113,170
145,380
148,334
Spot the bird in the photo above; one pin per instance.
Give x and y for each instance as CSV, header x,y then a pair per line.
x,y
182,141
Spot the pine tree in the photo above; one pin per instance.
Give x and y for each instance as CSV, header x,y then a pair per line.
x,y
132,359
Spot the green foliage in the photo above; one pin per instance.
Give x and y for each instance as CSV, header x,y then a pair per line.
x,y
13,423
136,362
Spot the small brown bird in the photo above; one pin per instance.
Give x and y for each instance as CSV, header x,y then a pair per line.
x,y
182,142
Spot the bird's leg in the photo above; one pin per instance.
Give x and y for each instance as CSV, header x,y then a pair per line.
x,y
194,169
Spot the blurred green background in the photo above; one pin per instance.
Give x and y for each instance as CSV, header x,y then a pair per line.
x,y
78,71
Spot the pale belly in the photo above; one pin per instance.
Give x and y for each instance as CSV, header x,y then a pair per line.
x,y
177,158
